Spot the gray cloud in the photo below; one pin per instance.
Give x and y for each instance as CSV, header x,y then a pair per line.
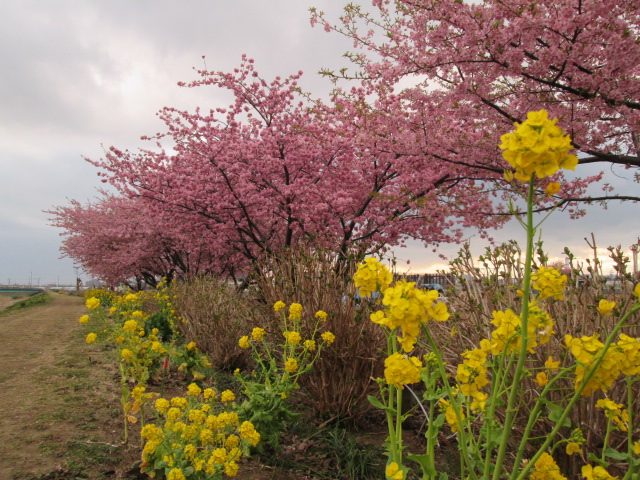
x,y
80,74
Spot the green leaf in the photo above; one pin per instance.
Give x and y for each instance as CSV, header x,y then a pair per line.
x,y
555,411
592,457
378,404
188,471
425,463
616,455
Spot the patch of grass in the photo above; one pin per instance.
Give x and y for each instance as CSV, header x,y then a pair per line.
x,y
354,460
41,298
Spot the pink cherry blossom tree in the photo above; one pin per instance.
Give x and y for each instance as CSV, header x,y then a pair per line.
x,y
465,71
118,240
276,169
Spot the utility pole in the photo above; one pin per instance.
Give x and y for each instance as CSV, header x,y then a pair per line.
x,y
77,280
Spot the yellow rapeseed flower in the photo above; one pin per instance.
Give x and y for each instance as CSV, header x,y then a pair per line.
x,y
176,474
573,447
227,396
596,473
231,469
209,394
84,319
126,354
552,188
605,307
541,379
551,365
537,146
292,338
194,390
550,282
248,432
92,303
614,411
393,471
328,337
291,365
371,276
295,311
91,337
400,369
546,468
130,326
244,342
321,315
450,414
162,405
279,305
257,333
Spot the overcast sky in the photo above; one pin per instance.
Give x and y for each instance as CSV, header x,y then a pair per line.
x,y
77,75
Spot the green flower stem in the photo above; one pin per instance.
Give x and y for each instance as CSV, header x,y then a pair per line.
x,y
533,418
606,439
497,389
524,319
398,432
395,443
578,392
431,443
462,443
630,413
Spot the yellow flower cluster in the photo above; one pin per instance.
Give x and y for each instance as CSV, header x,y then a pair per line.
x,y
549,282
614,411
328,337
472,375
622,357
450,414
372,276
546,468
506,336
292,338
258,333
92,303
408,308
295,311
596,473
605,307
393,471
537,146
291,365
400,370
195,438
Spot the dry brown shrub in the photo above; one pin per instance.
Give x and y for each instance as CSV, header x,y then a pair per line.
x,y
492,283
215,316
342,377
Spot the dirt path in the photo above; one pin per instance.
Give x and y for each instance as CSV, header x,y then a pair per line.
x,y
57,416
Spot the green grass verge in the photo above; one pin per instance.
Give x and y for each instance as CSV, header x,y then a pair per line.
x,y
41,298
